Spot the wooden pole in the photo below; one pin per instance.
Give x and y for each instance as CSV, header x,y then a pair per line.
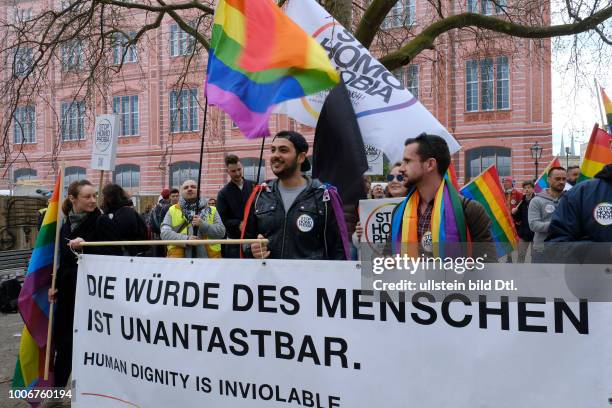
x,y
58,227
601,111
177,242
100,187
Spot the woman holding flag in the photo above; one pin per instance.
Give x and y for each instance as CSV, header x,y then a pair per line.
x,y
84,222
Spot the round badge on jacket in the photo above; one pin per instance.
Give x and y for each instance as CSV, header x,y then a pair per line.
x,y
427,242
549,208
305,223
603,214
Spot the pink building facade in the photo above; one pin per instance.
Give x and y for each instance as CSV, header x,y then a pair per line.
x,y
497,103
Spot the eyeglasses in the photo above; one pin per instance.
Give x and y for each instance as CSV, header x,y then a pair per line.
x,y
391,177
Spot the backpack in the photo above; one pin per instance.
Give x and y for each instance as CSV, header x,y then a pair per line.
x,y
156,217
142,233
9,293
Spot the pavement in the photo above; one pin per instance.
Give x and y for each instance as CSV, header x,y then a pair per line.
x,y
11,326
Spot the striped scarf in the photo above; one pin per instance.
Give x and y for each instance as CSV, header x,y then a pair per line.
x,y
447,222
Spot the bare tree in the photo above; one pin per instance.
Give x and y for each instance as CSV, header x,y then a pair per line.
x,y
78,42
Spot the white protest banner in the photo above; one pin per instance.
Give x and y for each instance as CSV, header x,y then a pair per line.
x,y
157,332
386,111
104,146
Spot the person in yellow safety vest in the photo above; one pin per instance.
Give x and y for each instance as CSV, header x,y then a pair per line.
x,y
180,220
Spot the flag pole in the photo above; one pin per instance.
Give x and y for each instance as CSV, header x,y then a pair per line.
x,y
198,190
263,141
58,226
598,93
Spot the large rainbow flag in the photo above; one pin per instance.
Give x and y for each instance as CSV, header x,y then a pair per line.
x,y
542,181
487,190
34,304
608,108
258,58
597,155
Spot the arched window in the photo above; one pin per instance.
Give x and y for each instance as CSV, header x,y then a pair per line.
x,y
181,171
251,166
74,173
24,174
127,175
477,160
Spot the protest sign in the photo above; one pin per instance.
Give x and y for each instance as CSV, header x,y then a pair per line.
x,y
157,332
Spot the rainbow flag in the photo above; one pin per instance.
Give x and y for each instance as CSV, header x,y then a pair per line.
x,y
597,155
542,181
259,58
34,304
487,190
608,108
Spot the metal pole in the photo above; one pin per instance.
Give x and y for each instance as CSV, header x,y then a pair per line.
x,y
263,141
195,229
536,165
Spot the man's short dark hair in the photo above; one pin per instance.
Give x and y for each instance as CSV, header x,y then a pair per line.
x,y
528,183
174,191
432,146
555,168
231,159
570,168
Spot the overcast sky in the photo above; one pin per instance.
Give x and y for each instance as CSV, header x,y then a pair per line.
x,y
574,100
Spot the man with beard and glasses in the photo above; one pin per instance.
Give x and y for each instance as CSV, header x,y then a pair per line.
x,y
301,217
181,219
434,218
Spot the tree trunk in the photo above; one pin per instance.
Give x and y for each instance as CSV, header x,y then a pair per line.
x,y
341,10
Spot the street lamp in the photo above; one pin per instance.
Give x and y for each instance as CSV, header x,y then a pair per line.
x,y
536,153
567,155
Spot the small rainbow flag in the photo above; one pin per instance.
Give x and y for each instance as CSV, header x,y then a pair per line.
x,y
487,190
542,181
608,108
34,305
259,58
597,155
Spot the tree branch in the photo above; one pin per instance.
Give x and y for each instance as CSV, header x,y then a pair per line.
x,y
425,39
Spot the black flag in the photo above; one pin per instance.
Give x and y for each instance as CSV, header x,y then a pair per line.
x,y
339,154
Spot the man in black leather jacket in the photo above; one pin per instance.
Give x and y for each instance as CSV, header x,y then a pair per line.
x,y
295,213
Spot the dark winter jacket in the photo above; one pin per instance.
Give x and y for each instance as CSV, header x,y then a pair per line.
x,y
230,204
309,229
521,219
129,226
94,227
585,212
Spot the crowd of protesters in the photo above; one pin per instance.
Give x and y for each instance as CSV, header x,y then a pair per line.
x,y
301,218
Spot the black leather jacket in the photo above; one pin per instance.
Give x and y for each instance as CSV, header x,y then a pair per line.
x,y
309,229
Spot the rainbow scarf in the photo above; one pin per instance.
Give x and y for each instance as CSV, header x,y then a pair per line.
x,y
447,222
541,183
259,58
34,305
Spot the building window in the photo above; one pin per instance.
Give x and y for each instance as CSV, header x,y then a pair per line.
x,y
73,173
21,15
401,14
119,49
127,175
471,86
479,159
73,120
24,174
24,125
184,111
413,80
250,167
487,84
127,109
503,83
487,7
23,61
72,55
181,171
181,43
